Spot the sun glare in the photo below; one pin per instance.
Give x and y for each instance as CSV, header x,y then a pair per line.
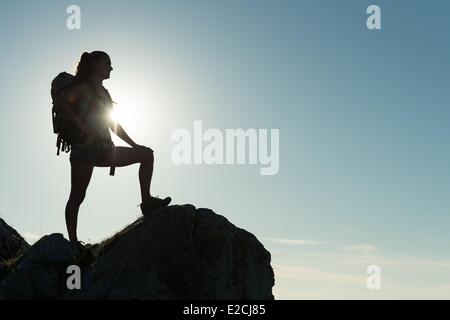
x,y
133,106
115,115
124,110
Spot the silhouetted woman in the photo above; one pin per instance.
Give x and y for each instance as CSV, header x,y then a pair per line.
x,y
88,104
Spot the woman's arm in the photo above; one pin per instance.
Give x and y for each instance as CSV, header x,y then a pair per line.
x,y
121,133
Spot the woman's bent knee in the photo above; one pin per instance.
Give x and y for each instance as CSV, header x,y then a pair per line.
x,y
148,157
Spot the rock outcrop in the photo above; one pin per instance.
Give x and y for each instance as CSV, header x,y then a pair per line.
x,y
178,252
11,243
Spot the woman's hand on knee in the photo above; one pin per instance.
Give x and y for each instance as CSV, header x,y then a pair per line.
x,y
139,147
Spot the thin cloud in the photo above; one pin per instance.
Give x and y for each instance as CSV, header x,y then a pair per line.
x,y
360,248
317,275
340,273
399,262
330,285
296,242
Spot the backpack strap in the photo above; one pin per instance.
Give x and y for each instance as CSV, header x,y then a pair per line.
x,y
58,144
112,170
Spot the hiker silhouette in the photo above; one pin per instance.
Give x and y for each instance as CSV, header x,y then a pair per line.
x,y
87,106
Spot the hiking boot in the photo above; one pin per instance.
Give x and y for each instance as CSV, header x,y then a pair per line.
x,y
84,254
154,203
78,248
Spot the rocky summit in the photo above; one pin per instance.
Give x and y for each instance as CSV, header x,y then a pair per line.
x,y
177,252
11,242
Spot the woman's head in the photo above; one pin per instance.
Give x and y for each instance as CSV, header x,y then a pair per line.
x,y
96,64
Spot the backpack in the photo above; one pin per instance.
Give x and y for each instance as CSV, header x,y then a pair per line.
x,y
67,131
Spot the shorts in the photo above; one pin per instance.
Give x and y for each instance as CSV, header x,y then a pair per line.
x,y
90,154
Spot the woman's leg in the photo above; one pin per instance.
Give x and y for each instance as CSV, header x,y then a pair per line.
x,y
124,156
80,177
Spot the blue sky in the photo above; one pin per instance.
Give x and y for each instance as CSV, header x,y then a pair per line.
x,y
363,119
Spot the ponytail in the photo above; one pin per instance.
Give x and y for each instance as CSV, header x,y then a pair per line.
x,y
85,67
84,57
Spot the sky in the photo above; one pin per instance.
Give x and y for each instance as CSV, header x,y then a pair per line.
x,y
362,117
